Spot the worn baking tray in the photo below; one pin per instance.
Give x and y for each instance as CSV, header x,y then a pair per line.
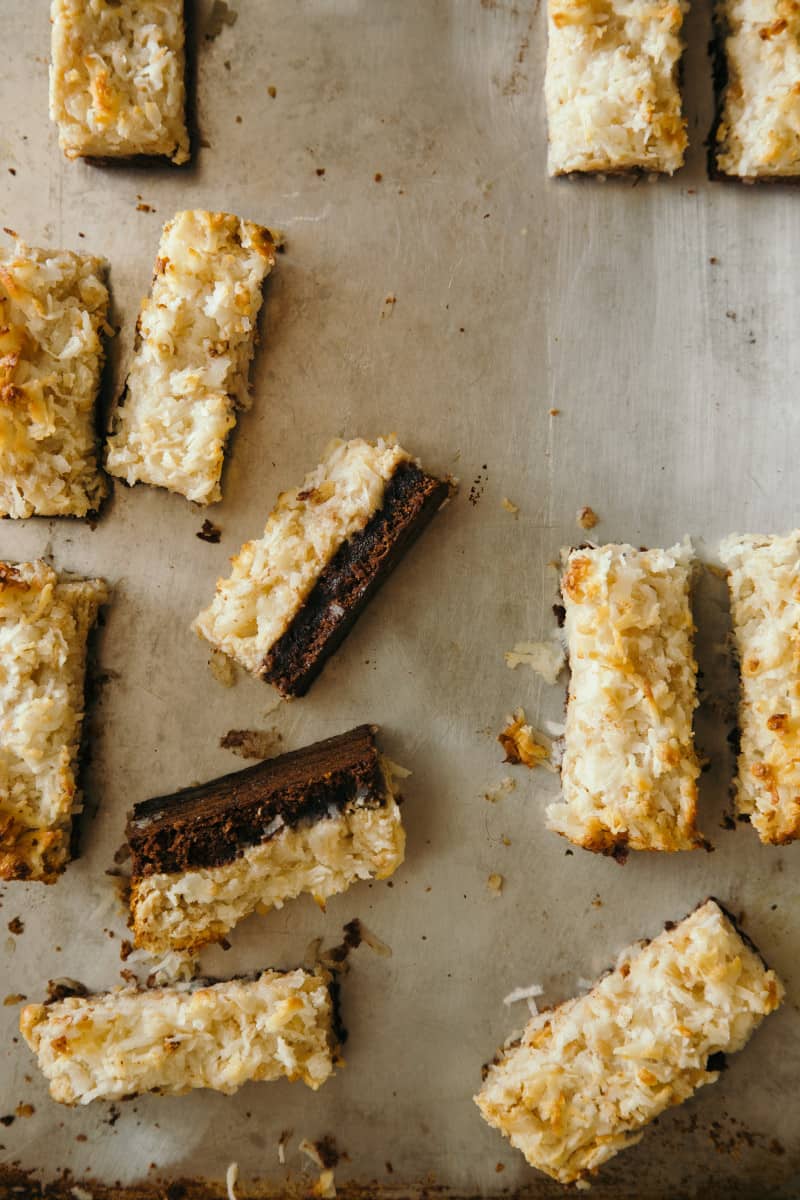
x,y
435,284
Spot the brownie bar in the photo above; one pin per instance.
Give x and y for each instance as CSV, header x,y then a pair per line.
x,y
352,578
207,825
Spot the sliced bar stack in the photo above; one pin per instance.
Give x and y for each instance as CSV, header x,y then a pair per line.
x,y
585,1078
171,1040
629,771
293,596
764,584
315,820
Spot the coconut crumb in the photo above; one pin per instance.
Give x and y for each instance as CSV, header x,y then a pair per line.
x,y
520,744
231,1176
222,668
495,884
545,658
506,785
251,743
282,1140
525,993
509,506
587,518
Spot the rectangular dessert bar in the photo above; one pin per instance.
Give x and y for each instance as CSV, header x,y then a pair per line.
x,y
756,135
612,86
171,1040
44,627
629,770
764,585
194,340
586,1077
315,820
53,308
117,86
293,596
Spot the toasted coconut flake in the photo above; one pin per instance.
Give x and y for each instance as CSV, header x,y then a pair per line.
x,y
520,744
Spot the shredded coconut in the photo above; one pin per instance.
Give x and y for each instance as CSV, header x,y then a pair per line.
x,y
764,583
170,1041
272,577
629,770
117,78
44,626
545,658
758,135
231,1178
585,1078
611,85
53,307
195,338
520,743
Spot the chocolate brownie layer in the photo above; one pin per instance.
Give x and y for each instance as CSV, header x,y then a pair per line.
x,y
352,577
211,823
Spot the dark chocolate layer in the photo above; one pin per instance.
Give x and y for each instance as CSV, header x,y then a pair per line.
x,y
352,577
210,824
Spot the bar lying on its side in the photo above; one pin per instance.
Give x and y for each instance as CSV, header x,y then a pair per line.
x,y
195,338
44,627
117,86
326,549
586,1077
756,135
629,771
612,86
764,584
315,820
171,1040
53,307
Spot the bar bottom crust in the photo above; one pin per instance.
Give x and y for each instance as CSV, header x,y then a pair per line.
x,y
585,1078
171,1040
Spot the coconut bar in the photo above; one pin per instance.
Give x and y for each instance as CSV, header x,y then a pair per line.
x,y
117,84
195,338
171,1040
44,626
757,74
586,1077
53,307
629,770
611,86
315,820
764,584
327,547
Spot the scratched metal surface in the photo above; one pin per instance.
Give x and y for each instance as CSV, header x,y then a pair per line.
x,y
661,321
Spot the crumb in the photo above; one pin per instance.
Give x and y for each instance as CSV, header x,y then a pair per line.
x,y
238,119
597,902
509,506
11,232
142,207
389,1168
14,998
505,840
7,1120
320,171
713,260
519,743
499,1167
125,949
377,177
81,1137
11,171
547,659
222,668
495,884
16,926
554,412
251,743
209,532
587,518
506,784
25,1110
272,92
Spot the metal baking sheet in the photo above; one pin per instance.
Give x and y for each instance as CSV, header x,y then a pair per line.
x,y
435,284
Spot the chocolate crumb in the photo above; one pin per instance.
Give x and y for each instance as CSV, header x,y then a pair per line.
x,y
11,171
320,171
16,926
8,1120
209,532
125,949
